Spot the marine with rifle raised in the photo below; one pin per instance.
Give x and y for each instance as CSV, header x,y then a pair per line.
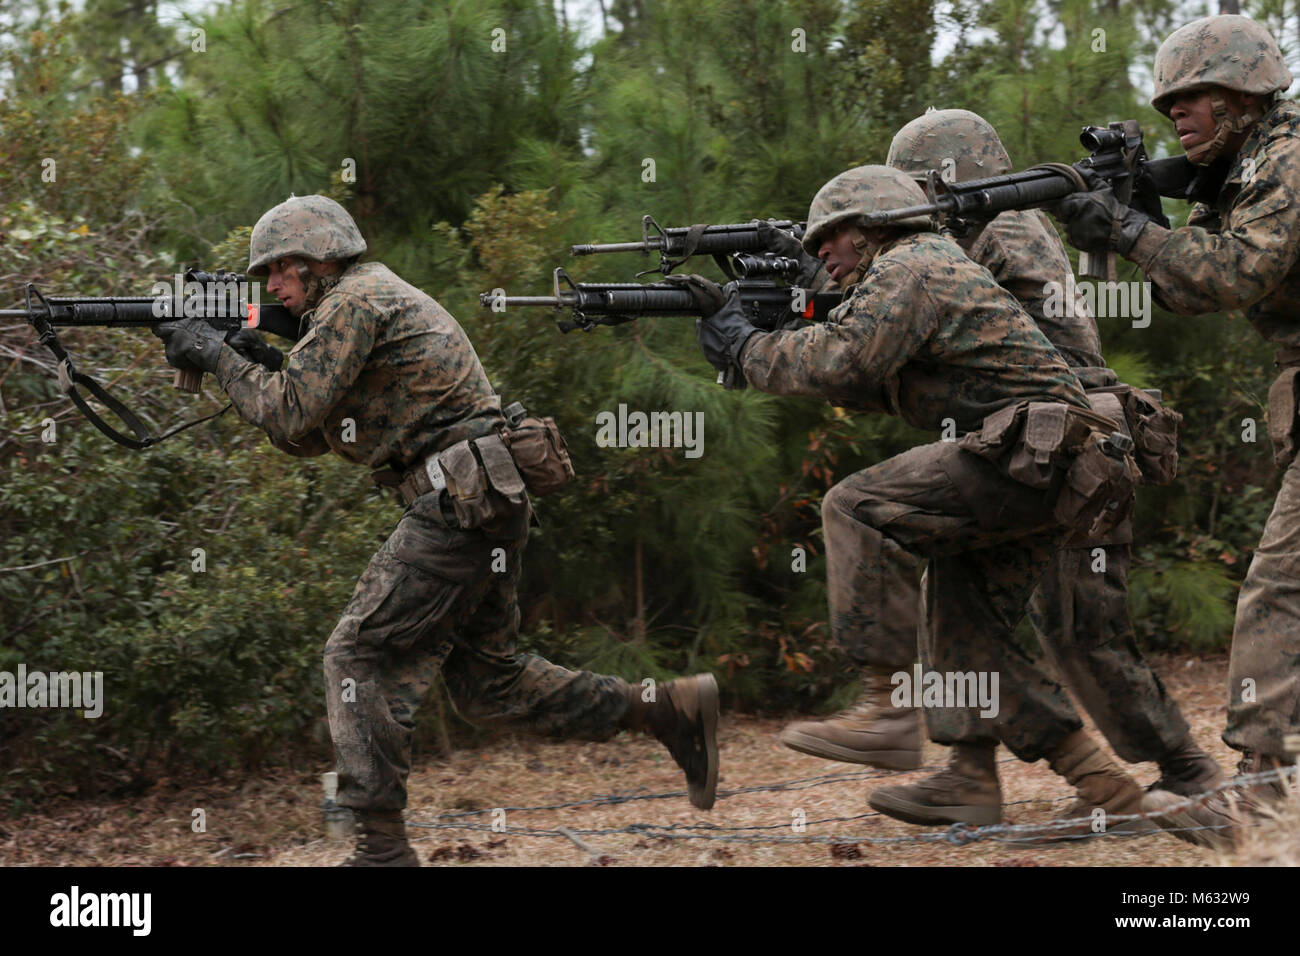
x,y
384,377
1219,80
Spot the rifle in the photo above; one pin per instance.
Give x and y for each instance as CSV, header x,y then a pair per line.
x,y
1116,154
613,303
961,204
768,305
676,244
214,297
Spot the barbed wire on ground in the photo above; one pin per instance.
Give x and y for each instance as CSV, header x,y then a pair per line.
x,y
1044,835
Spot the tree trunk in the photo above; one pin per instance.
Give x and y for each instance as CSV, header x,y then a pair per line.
x,y
638,625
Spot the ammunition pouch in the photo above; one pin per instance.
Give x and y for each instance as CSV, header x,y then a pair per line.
x,y
1099,486
478,477
1282,408
540,453
483,478
1153,428
1080,452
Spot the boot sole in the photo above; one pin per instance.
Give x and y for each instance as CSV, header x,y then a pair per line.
x,y
704,797
920,813
1190,830
884,759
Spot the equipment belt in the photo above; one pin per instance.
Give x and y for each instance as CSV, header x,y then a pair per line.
x,y
420,480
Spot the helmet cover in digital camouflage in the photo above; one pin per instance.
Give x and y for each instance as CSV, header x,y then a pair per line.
x,y
959,144
1234,52
311,227
853,194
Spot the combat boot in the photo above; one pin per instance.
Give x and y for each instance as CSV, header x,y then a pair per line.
x,y
381,840
1100,784
1216,821
966,792
872,731
684,717
1189,771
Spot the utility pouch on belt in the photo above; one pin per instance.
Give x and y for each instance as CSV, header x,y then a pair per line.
x,y
996,434
1282,416
1099,485
500,467
466,485
538,449
1042,444
1097,489
1154,430
471,473
1034,439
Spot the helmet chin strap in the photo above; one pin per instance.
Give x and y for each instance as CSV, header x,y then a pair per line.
x,y
868,247
1225,125
316,286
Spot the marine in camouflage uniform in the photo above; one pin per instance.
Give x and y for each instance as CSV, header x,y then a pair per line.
x,y
386,378
1217,79
927,334
1080,614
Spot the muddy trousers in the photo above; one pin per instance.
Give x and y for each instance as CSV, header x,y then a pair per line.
x,y
988,540
1079,611
1080,614
1264,670
438,598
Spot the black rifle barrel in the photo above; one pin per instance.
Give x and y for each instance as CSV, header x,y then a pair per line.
x,y
987,197
125,312
114,311
724,237
651,301
605,298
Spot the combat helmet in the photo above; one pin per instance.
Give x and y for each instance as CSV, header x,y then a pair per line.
x,y
1229,51
943,140
313,227
853,194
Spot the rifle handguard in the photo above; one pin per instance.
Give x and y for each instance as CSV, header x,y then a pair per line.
x,y
1093,263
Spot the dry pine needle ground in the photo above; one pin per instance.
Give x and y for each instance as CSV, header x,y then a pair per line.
x,y
274,819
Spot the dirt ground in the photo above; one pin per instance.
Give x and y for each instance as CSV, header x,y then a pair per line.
x,y
274,819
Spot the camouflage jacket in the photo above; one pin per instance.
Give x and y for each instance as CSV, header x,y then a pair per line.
x,y
927,335
380,353
1023,252
1242,251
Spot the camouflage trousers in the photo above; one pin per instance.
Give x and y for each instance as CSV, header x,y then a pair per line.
x,y
1080,616
988,540
1082,622
1264,670
436,597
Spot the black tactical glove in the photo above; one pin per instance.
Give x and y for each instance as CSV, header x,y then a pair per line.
x,y
783,243
1098,220
706,294
254,348
722,337
191,344
780,241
